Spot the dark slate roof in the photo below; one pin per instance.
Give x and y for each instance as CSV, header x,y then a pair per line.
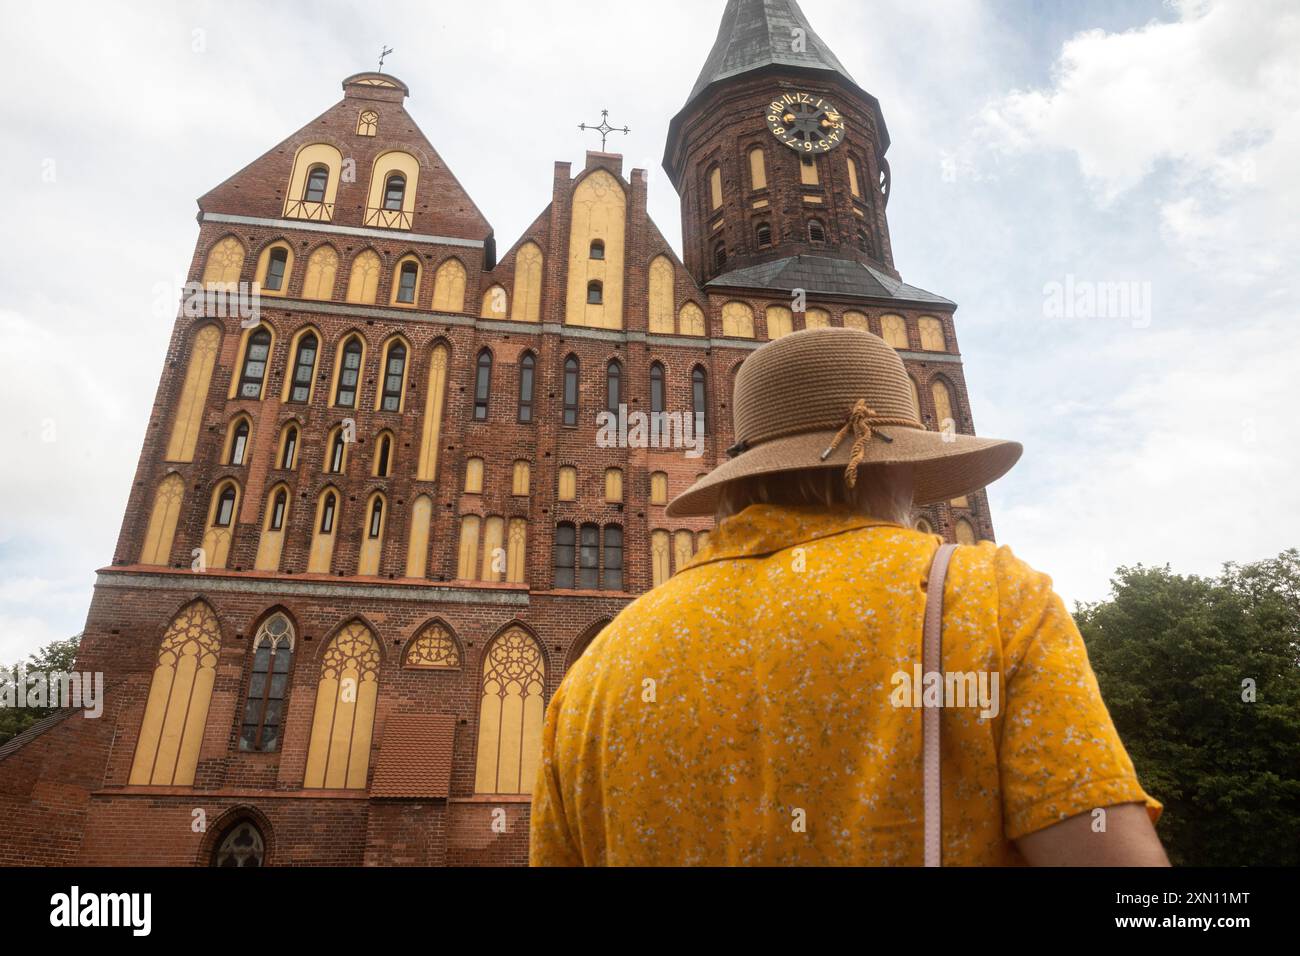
x,y
756,34
825,276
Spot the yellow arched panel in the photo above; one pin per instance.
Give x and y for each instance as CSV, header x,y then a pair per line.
x,y
854,186
816,319
417,548
737,320
521,480
467,553
660,557
932,337
893,329
217,540
494,553
757,168
599,213
916,397
528,284
943,406
715,188
568,490
322,271
363,281
171,734
386,165
372,548
780,321
511,711
856,320
338,756
321,559
194,394
517,552
690,320
296,203
614,486
161,533
474,476
271,545
808,174
449,287
659,488
496,304
225,263
661,296
436,398
683,549
965,532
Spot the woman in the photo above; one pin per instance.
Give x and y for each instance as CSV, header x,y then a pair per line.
x,y
764,706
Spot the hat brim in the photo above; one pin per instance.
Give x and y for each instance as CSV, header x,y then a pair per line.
x,y
944,467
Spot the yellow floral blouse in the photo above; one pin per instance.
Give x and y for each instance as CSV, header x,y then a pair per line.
x,y
744,713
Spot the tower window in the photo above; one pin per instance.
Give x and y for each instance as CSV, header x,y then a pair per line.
x,y
304,365
719,256
327,514
275,269
763,235
290,456
527,376
564,547
385,454
483,386
864,243
239,446
816,233
376,517
338,453
656,389
589,557
225,508
598,249
277,510
571,392
394,376
395,192
613,577
406,283
349,375
614,387
254,372
699,398
595,293
317,180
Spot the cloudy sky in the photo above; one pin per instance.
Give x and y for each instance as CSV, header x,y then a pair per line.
x,y
1038,147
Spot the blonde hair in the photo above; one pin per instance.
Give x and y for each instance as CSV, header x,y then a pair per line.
x,y
884,492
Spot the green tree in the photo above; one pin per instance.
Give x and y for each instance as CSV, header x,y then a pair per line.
x,y
58,657
1176,658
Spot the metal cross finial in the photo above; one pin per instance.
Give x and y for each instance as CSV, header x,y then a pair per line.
x,y
383,54
604,129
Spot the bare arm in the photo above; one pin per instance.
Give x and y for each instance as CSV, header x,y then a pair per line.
x,y
1129,840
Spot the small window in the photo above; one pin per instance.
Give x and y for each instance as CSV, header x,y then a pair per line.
x,y
564,553
406,281
864,243
589,558
595,293
267,687
255,361
225,508
763,235
304,366
598,249
367,123
338,453
384,459
700,399
657,394
277,510
349,375
289,458
395,192
327,514
275,270
483,386
239,444
719,257
614,386
527,381
394,376
612,580
816,233
571,392
242,846
317,181
376,517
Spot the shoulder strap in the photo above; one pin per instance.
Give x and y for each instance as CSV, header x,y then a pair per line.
x,y
932,663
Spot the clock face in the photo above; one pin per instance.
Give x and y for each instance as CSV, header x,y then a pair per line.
x,y
805,122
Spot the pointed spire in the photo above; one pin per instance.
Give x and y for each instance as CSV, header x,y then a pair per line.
x,y
761,33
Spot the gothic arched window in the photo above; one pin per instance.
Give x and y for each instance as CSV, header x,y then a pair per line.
x,y
394,377
511,714
239,442
657,389
483,386
276,267
395,192
406,282
614,386
256,356
571,391
317,181
304,366
527,381
268,685
338,757
350,374
241,846
700,399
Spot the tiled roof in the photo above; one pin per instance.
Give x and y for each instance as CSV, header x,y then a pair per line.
x,y
415,757
822,275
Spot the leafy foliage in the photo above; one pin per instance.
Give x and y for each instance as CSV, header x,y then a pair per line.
x,y
1172,655
57,657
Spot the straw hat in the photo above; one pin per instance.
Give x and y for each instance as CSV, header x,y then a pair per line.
x,y
840,398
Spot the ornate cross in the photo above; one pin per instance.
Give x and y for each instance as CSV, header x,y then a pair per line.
x,y
383,54
604,129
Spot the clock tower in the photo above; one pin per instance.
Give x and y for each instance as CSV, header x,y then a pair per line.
x,y
778,153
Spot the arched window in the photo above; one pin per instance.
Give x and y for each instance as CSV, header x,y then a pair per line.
x,y
494,553
659,488
595,293
394,378
367,123
176,711
276,267
527,382
328,513
342,726
614,486
923,526
467,554
241,846
193,398
407,279
738,320
571,392
893,329
944,414
598,249
372,547
256,356
433,648
268,686
614,386
338,460
483,386
321,558
474,476
163,517
517,552
683,550
690,320
318,179
780,322
349,374
279,510
658,394
521,479
568,484
757,169
384,457
660,557
763,235
715,188
612,580
565,541
511,714
239,442
224,514
932,334
965,532
816,233
854,187
289,448
700,400
720,257
304,367
395,192
225,263
589,557
417,544
434,403
816,319
363,280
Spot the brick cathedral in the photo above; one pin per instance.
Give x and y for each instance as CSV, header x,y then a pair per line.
x,y
372,523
